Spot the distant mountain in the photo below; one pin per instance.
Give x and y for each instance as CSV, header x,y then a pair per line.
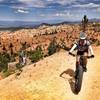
x,y
26,24
29,24
94,20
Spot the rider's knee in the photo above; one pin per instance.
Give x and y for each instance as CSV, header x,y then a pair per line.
x,y
85,58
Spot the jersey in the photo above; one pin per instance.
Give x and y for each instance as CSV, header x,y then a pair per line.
x,y
83,47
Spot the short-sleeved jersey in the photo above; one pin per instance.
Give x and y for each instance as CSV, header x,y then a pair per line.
x,y
82,47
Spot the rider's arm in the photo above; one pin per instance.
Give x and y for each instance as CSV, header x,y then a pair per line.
x,y
72,49
91,50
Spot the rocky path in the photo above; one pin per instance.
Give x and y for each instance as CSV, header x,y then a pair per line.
x,y
53,79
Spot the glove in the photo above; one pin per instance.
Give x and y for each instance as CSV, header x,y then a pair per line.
x,y
70,53
92,56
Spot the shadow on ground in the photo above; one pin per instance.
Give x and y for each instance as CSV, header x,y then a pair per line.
x,y
70,79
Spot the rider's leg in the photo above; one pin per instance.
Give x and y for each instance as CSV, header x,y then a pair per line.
x,y
85,61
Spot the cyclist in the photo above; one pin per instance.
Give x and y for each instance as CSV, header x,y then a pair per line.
x,y
83,47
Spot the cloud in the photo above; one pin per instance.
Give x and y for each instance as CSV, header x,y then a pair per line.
x,y
89,5
19,7
64,14
49,0
44,3
61,2
20,10
64,2
60,16
51,9
33,3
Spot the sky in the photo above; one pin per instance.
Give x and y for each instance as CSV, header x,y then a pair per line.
x,y
48,10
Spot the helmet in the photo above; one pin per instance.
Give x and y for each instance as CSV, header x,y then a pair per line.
x,y
83,36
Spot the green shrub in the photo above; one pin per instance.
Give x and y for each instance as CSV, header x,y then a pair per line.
x,y
7,73
19,66
36,55
52,48
4,59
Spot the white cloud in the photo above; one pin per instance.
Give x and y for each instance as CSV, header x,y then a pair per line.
x,y
49,0
19,7
89,5
68,16
21,11
64,14
44,3
64,2
33,3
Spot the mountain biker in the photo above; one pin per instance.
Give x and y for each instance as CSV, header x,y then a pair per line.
x,y
83,47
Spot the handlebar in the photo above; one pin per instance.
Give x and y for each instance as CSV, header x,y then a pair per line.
x,y
72,54
92,56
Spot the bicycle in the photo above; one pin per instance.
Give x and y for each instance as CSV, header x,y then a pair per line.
x,y
79,73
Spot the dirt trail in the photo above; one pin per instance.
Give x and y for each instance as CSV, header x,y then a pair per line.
x,y
52,79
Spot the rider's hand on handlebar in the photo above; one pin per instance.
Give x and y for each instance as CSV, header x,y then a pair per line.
x,y
71,54
92,56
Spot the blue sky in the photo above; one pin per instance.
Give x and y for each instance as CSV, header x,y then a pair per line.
x,y
48,10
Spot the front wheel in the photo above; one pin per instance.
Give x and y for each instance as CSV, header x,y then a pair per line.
x,y
78,80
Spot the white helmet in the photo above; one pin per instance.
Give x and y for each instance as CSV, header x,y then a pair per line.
x,y
83,35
